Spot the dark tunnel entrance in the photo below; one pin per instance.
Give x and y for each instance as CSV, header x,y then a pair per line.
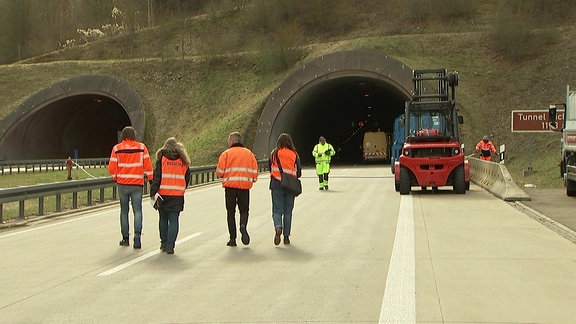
x,y
342,110
80,117
85,124
339,96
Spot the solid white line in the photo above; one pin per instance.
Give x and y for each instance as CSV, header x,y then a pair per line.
x,y
143,257
399,302
74,217
41,227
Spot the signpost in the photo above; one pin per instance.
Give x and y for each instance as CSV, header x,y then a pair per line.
x,y
533,121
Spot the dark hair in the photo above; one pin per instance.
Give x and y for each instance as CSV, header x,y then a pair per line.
x,y
284,141
129,133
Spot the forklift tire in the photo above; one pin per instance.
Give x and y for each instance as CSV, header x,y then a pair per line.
x,y
459,180
404,186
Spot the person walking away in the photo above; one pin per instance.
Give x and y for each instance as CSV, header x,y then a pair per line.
x,y
129,163
238,169
171,177
323,153
485,148
286,157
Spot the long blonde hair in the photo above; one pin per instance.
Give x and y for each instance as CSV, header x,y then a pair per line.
x,y
174,146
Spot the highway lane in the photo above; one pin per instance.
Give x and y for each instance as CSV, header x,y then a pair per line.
x,y
360,253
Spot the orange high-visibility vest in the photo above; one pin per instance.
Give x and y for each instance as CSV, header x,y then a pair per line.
x,y
130,162
237,167
287,159
173,181
485,149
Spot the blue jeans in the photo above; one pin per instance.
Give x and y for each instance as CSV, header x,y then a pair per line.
x,y
168,226
282,205
129,193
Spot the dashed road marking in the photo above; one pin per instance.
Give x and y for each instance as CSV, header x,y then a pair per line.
x,y
143,257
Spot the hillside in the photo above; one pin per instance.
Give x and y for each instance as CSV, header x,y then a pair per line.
x,y
201,95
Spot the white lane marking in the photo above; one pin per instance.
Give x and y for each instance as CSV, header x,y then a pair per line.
x,y
399,302
143,257
74,219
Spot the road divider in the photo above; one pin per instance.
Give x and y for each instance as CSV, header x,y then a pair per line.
x,y
495,178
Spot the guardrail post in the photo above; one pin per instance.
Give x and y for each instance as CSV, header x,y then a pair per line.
x,y
1,213
89,197
21,209
75,200
102,194
41,205
58,202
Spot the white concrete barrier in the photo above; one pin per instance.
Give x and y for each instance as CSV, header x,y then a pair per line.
x,y
495,178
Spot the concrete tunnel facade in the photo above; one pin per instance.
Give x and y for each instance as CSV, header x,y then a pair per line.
x,y
339,96
82,114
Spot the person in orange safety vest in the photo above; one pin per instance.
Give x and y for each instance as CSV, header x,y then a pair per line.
x,y
129,164
282,200
238,169
485,148
171,177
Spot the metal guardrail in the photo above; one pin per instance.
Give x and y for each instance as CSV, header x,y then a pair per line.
x,y
25,166
199,175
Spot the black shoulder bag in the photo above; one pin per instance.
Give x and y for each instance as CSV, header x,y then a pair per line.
x,y
288,182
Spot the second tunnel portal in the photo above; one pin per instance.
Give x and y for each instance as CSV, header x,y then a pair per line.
x,y
82,115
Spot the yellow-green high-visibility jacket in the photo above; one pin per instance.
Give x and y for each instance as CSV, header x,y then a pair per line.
x,y
321,153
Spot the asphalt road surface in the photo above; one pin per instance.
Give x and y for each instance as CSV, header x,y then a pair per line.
x,y
360,253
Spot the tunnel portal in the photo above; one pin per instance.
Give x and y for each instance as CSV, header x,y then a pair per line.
x,y
339,96
80,117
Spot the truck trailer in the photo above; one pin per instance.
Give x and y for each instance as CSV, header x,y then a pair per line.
x,y
568,141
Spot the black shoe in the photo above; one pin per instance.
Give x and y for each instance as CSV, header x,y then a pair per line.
x,y
277,236
125,242
170,251
162,247
286,240
231,243
321,188
245,236
137,242
326,188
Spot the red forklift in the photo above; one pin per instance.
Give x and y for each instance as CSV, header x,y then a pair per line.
x,y
431,155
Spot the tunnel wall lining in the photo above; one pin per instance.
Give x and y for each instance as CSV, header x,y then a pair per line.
x,y
339,64
106,86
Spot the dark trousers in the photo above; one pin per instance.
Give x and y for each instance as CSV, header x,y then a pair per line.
x,y
236,197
